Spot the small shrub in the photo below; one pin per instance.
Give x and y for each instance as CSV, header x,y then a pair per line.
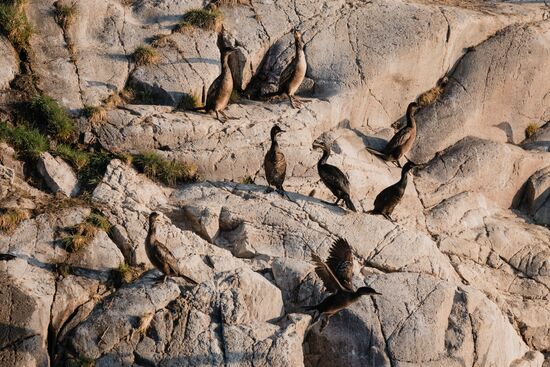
x,y
248,180
65,14
58,123
189,101
531,129
15,25
78,158
202,18
99,221
145,55
10,219
126,274
80,235
95,114
168,172
28,142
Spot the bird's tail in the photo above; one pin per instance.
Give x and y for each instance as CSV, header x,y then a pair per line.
x,y
309,308
375,152
349,204
7,257
201,108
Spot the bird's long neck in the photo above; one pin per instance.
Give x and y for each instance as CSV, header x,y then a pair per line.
x,y
403,180
411,120
152,233
324,157
225,63
274,143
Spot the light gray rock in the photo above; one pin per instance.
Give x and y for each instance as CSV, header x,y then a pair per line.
x,y
58,175
536,196
9,63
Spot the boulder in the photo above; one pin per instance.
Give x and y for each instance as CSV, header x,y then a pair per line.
x,y
536,196
58,175
9,63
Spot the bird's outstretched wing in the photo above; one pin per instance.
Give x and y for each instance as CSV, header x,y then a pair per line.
x,y
327,276
340,262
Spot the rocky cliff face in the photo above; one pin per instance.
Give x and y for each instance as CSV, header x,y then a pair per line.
x,y
464,268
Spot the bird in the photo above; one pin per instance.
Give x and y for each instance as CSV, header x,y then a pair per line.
x,y
7,257
159,255
274,162
221,88
336,273
402,141
332,177
293,75
387,199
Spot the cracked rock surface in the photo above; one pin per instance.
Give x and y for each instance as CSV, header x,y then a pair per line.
x,y
463,268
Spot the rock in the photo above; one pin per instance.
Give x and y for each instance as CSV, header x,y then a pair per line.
x,y
59,176
101,254
479,98
9,63
536,196
539,141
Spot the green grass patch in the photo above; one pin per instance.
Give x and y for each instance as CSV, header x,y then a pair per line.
x,y
14,24
248,180
58,123
189,101
168,172
202,18
28,142
145,55
93,172
99,221
77,158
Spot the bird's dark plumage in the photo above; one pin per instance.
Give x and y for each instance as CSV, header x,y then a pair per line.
x,y
402,141
333,177
274,162
336,274
387,199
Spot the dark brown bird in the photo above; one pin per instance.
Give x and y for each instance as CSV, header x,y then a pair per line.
x,y
387,199
293,75
7,257
159,255
275,163
221,88
336,274
332,177
402,141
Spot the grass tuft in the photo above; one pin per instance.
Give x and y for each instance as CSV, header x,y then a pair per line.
x,y
95,114
10,219
248,180
189,101
168,172
80,235
430,96
163,40
99,221
531,129
93,172
145,55
58,123
65,14
202,18
28,142
126,274
77,158
14,24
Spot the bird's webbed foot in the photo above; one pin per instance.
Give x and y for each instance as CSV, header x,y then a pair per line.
x,y
269,190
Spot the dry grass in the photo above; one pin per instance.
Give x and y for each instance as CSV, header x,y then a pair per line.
x,y
144,322
430,96
96,115
126,274
163,40
99,221
145,55
65,14
80,236
168,172
232,2
14,24
10,219
531,129
202,18
189,101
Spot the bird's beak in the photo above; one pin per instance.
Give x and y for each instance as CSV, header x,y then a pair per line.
x,y
316,145
376,293
282,131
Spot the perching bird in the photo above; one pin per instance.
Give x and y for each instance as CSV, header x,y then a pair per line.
x,y
293,75
402,141
336,274
221,88
388,198
159,255
7,257
332,177
275,163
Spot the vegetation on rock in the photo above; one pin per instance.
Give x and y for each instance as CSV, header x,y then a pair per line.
x,y
28,142
58,123
202,18
166,171
145,55
14,24
10,219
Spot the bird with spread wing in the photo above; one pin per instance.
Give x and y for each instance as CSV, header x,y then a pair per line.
x,y
337,273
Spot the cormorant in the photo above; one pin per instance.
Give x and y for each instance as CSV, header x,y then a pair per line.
x,y
336,274
274,162
221,88
402,141
7,257
388,198
332,177
293,75
159,255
